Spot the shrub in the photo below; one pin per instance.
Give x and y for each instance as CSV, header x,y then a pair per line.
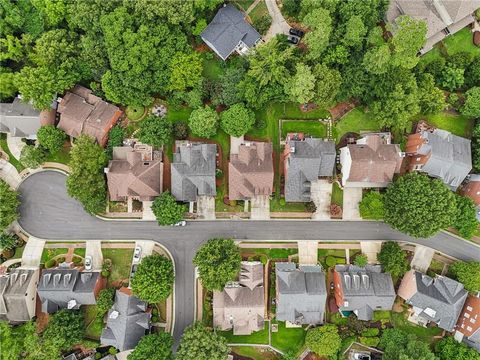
x,y
369,341
360,260
371,206
260,124
233,202
370,332
311,207
331,261
283,202
262,24
218,173
180,130
77,260
51,138
453,100
50,263
105,273
32,157
112,350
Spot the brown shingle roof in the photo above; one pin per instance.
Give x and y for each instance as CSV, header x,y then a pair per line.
x,y
472,189
131,175
250,173
84,113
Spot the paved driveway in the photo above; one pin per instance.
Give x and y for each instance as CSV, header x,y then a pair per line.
x,y
351,199
9,174
93,248
422,258
321,194
260,207
206,207
279,24
32,254
48,212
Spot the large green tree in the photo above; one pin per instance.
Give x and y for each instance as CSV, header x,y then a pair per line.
x,y
409,36
201,343
431,98
327,85
11,343
155,131
225,90
185,71
51,138
466,218
301,87
153,280
65,328
393,259
320,23
472,102
450,349
324,340
32,156
115,138
86,182
237,120
371,206
203,122
167,210
105,301
468,273
153,347
218,262
8,205
399,345
430,205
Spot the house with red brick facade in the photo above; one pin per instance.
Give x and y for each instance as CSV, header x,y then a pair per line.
x,y
468,324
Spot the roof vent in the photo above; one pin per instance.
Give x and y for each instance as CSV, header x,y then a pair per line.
x,y
113,315
292,149
71,304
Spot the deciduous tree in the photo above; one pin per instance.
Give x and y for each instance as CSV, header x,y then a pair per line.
x,y
472,103
185,71
153,347
201,343
468,273
393,259
32,156
431,98
203,122
155,131
466,219
65,329
327,84
450,349
452,78
320,23
218,262
430,205
237,120
153,280
301,87
115,138
409,36
167,210
51,138
105,301
8,205
324,340
355,31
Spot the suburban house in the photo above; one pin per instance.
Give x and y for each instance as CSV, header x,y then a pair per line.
x,y
66,288
18,292
439,300
363,290
443,17
82,112
305,161
128,320
372,162
229,32
193,171
241,305
134,173
471,189
21,119
441,155
468,324
301,293
250,171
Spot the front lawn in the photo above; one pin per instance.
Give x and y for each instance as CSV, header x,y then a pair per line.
x,y
121,263
355,121
288,338
337,195
47,254
62,157
311,127
258,337
272,254
11,158
455,123
244,4
259,11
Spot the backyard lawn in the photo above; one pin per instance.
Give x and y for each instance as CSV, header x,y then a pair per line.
x,y
244,4
212,68
288,339
455,123
399,321
461,41
135,113
355,121
121,263
257,337
94,325
310,127
255,353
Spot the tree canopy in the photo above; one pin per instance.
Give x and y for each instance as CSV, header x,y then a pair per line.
x,y
324,340
472,102
371,206
203,122
430,205
218,262
32,156
465,220
153,347
201,343
155,131
393,259
237,120
450,349
167,210
468,273
153,279
51,138
8,205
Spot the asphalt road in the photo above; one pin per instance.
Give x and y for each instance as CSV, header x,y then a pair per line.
x,y
48,212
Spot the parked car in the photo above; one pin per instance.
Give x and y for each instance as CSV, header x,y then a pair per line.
x,y
360,356
180,223
88,263
136,254
296,32
292,39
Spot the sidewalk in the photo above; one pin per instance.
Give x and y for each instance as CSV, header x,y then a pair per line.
x,y
15,145
9,174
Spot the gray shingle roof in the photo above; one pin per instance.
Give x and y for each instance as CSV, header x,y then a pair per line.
x,y
307,161
442,295
20,119
450,158
301,293
127,322
14,298
193,171
57,287
365,290
227,29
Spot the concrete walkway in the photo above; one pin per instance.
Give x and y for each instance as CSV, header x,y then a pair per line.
x,y
9,174
15,145
351,201
371,249
147,211
321,194
279,24
32,254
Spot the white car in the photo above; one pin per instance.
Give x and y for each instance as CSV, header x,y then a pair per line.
x,y
88,263
180,223
136,254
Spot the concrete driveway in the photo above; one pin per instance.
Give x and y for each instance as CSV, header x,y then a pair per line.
x,y
308,252
422,258
146,246
9,174
94,249
32,254
351,200
321,194
279,24
260,207
206,207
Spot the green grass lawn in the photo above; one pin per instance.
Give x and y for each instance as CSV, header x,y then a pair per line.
x,y
255,353
455,123
288,339
244,4
311,127
18,252
12,159
399,321
356,121
212,68
63,156
259,11
135,113
50,253
257,337
121,263
337,195
272,253
94,325
461,41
